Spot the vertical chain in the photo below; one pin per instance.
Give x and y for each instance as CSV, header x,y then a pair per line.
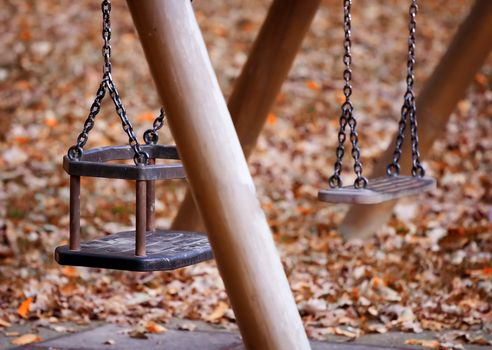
x,y
106,34
409,109
140,156
75,152
417,169
347,116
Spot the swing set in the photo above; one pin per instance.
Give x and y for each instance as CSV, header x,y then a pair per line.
x,y
217,169
149,249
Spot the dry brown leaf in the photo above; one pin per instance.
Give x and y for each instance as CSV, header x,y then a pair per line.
x,y
70,271
272,118
26,339
146,117
312,85
427,343
349,332
4,323
218,312
24,307
155,328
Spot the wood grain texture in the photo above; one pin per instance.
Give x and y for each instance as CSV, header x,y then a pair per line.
x,y
218,175
260,81
379,190
435,103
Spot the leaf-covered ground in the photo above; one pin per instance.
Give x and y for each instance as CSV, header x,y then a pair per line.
x,y
428,269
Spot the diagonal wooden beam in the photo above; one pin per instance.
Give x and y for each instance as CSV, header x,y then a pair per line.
x,y
437,100
218,175
260,81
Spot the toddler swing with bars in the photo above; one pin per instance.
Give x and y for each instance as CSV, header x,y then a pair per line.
x,y
393,185
146,248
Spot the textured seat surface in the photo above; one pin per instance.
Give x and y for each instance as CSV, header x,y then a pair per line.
x,y
379,190
166,250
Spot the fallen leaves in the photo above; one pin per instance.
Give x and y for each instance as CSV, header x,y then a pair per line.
x,y
272,119
146,117
457,237
51,122
25,339
24,307
481,273
70,271
155,328
432,343
142,330
428,269
218,312
312,85
4,323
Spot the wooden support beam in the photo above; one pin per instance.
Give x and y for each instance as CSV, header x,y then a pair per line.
x,y
260,81
435,103
218,175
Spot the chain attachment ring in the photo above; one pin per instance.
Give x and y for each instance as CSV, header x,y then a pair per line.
x,y
150,137
141,158
335,181
360,182
75,152
393,169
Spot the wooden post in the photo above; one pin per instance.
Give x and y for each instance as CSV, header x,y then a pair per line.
x,y
218,175
435,103
150,207
140,217
74,243
260,81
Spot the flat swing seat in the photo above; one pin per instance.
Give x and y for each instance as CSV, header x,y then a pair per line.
x,y
379,190
166,250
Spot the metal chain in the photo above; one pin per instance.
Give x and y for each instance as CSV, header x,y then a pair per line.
x,y
409,109
347,115
151,137
75,152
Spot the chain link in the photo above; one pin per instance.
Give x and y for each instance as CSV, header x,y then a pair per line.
x,y
409,109
151,137
347,115
75,152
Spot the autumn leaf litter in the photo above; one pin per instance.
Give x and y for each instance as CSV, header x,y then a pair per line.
x,y
428,269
